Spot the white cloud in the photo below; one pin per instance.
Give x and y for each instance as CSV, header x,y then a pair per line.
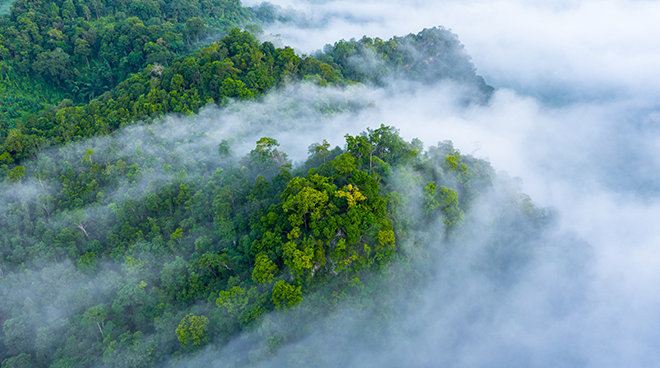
x,y
579,47
586,142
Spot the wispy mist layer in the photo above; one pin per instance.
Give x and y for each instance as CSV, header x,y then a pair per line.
x,y
559,51
581,293
585,142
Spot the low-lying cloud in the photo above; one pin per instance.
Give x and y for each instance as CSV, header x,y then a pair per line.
x,y
575,116
559,51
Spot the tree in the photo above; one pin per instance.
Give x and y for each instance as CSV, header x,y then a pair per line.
x,y
6,159
235,88
265,159
82,48
351,194
17,144
177,235
450,209
54,65
78,219
286,295
87,262
21,361
264,269
308,201
224,150
195,27
322,150
444,200
96,315
193,332
18,336
268,145
16,174
132,350
302,256
235,300
211,262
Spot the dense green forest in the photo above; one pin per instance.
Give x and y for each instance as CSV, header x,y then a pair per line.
x,y
141,256
133,235
68,72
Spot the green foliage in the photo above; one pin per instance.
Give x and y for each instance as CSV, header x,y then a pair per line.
x,y
193,332
130,350
88,262
16,174
264,269
87,48
286,296
141,244
142,259
236,300
17,335
429,56
321,152
21,361
444,200
177,234
96,315
235,67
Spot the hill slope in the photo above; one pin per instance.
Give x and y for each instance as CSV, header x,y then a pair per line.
x,y
134,235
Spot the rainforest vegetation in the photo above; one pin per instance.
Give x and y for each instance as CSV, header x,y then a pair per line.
x,y
118,251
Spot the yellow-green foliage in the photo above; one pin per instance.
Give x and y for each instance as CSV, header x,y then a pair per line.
x,y
352,195
235,300
193,332
264,269
286,295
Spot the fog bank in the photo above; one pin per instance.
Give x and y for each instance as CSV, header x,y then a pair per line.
x,y
576,117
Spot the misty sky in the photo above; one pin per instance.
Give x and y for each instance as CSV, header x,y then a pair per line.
x,y
576,116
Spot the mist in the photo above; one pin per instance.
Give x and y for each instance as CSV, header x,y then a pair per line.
x,y
574,117
581,294
558,50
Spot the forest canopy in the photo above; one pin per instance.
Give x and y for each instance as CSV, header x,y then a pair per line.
x,y
69,72
162,258
119,250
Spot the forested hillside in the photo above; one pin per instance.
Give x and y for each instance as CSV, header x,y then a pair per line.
x,y
89,47
236,67
96,74
161,256
429,56
134,235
